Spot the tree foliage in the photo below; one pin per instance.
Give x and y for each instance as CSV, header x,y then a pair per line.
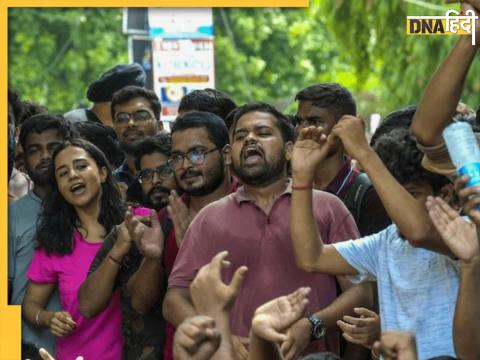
x,y
260,54
54,53
379,45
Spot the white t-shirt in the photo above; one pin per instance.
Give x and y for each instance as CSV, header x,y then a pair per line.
x,y
417,288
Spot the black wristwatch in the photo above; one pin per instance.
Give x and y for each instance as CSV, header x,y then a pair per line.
x,y
318,328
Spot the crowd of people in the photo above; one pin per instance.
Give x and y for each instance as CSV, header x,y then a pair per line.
x,y
242,232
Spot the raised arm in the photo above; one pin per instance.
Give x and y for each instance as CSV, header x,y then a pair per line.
x,y
406,212
147,283
96,291
271,322
462,237
443,92
213,298
311,254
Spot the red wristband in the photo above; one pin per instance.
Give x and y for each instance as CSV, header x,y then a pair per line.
x,y
304,187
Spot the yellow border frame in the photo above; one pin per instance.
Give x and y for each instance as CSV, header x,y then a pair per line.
x,y
10,315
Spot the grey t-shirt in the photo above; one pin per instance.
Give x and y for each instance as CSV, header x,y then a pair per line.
x,y
22,220
417,288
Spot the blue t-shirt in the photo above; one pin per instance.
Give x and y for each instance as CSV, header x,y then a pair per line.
x,y
417,288
23,215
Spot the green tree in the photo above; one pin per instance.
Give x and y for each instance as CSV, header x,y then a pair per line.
x,y
379,45
55,53
263,54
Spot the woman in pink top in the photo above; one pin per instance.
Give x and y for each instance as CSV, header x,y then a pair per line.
x,y
83,207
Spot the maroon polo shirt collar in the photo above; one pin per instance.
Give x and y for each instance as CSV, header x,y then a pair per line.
x,y
242,196
340,179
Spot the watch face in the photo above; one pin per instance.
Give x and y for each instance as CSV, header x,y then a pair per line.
x,y
318,327
319,330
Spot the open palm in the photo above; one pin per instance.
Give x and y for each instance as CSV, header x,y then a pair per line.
x,y
309,150
460,235
149,240
272,318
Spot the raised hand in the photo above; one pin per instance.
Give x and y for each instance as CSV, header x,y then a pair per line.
x,y
196,338
364,330
61,324
351,131
459,235
298,338
397,345
272,319
209,294
124,241
149,240
311,147
180,216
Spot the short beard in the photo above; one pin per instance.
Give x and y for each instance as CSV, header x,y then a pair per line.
x,y
129,148
153,204
215,178
264,175
40,179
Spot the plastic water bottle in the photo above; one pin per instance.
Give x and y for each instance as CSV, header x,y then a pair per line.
x,y
464,151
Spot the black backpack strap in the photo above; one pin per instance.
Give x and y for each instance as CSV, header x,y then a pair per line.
x,y
355,195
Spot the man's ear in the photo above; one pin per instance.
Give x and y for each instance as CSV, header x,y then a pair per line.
x,y
448,194
227,154
288,150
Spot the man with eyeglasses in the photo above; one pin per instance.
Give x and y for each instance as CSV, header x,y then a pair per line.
x,y
252,225
200,159
136,115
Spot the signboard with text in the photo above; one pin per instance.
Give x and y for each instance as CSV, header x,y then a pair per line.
x,y
182,53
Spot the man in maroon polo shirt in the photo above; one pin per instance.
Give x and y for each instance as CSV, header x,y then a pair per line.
x,y
253,226
323,105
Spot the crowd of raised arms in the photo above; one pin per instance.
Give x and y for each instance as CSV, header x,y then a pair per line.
x,y
244,233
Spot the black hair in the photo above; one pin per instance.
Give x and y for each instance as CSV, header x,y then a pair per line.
x,y
103,137
398,151
292,119
209,100
331,96
16,105
29,109
43,122
131,92
283,123
215,126
11,149
59,218
477,118
401,118
159,143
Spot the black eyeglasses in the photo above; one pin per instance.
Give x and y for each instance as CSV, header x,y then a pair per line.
x,y
194,156
146,176
138,116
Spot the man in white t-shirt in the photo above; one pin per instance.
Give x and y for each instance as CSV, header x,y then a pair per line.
x,y
417,288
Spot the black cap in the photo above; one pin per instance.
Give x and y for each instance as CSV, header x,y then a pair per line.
x,y
115,79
